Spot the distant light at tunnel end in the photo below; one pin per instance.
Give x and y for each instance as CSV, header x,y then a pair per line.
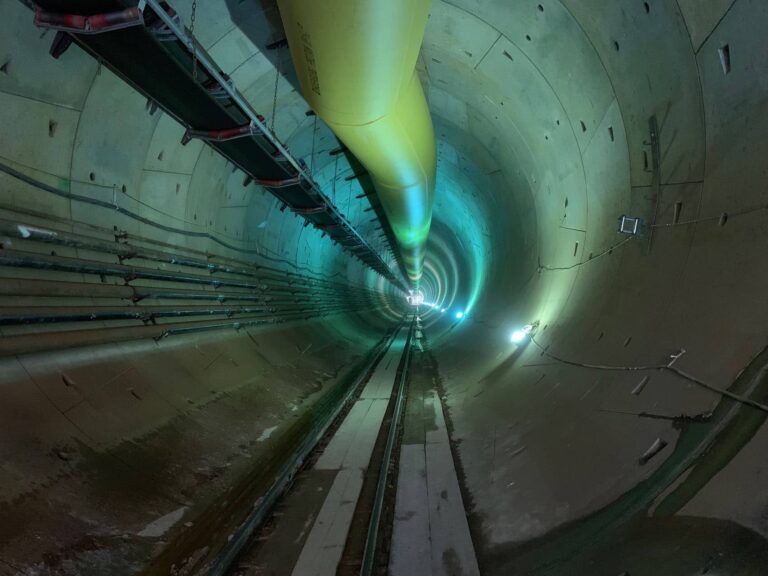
x,y
459,314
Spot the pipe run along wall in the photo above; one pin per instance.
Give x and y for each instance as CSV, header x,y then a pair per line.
x,y
355,61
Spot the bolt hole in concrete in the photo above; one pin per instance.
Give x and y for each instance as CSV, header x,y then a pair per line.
x,y
541,8
52,124
616,45
124,189
527,37
610,133
647,7
92,177
627,341
725,58
678,211
583,126
723,219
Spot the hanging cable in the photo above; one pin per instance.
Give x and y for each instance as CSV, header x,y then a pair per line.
x,y
312,157
277,83
192,36
669,366
608,250
720,217
335,175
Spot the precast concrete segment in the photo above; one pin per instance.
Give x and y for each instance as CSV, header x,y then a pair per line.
x,y
430,533
349,453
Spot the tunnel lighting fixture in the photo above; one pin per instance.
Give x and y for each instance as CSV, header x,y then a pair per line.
x,y
523,333
442,310
629,225
459,315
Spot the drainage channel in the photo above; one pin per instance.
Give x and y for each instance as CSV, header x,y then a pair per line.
x,y
326,518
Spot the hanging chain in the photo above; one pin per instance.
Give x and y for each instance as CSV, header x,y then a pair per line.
x,y
335,175
349,200
277,81
312,157
192,38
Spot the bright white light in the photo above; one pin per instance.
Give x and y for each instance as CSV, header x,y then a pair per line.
x,y
415,299
442,310
520,335
459,314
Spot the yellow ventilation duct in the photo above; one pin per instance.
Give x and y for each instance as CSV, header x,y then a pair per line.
x,y
356,64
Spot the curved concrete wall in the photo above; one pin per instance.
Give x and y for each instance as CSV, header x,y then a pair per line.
x,y
562,93
543,112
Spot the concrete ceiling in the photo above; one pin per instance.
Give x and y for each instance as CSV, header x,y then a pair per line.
x,y
545,113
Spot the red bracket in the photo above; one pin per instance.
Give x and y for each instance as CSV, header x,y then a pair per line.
x,y
161,30
308,211
221,135
279,183
217,90
93,24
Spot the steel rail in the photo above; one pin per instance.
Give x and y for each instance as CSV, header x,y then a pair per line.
x,y
372,539
261,511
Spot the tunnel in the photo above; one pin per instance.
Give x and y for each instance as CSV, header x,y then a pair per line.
x,y
211,357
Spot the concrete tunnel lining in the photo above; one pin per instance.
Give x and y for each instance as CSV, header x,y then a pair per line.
x,y
542,113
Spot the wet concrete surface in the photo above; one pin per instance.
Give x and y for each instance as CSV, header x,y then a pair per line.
x,y
164,500
278,545
308,532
